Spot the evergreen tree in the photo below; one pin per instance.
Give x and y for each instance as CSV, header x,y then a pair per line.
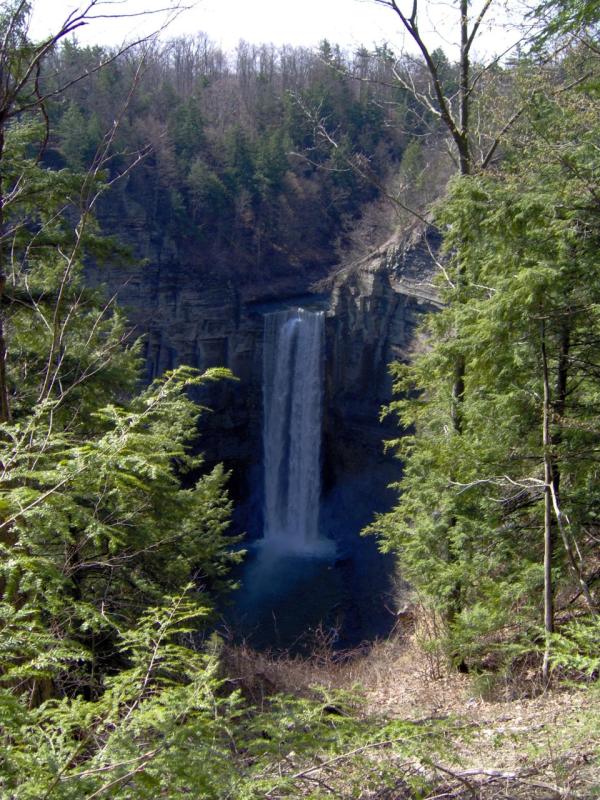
x,y
504,511
109,564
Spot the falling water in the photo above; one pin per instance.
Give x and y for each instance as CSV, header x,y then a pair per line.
x,y
292,396
294,581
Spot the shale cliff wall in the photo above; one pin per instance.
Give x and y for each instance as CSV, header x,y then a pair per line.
x,y
376,305
372,305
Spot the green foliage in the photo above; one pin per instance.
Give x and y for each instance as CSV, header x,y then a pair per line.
x,y
522,270
163,725
158,726
575,648
240,174
563,18
113,538
105,517
208,193
188,130
101,520
77,142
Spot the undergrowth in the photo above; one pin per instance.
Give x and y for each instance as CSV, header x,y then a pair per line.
x,y
378,723
393,721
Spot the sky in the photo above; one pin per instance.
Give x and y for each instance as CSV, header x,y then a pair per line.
x,y
349,23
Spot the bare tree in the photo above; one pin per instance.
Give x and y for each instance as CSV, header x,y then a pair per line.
x,y
21,91
454,108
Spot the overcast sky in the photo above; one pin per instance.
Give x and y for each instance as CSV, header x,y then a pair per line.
x,y
298,22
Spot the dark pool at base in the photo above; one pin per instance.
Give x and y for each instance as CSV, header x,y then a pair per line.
x,y
348,595
295,601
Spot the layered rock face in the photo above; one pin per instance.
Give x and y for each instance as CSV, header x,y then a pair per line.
x,y
205,320
186,318
376,305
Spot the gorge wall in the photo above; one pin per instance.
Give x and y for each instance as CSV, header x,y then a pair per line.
x,y
372,307
375,307
206,319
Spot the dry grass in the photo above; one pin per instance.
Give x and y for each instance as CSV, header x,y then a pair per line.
x,y
259,674
513,745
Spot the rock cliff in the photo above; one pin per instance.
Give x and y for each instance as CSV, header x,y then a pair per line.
x,y
373,306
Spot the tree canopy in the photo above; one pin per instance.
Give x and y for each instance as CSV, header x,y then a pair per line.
x,y
490,515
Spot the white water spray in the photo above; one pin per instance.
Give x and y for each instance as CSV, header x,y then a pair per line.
x,y
292,397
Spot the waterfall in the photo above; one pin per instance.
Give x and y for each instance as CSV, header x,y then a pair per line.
x,y
292,397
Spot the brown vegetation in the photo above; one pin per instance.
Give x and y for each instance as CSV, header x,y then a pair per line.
x,y
505,738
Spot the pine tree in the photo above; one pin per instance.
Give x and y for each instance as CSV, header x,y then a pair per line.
x,y
506,509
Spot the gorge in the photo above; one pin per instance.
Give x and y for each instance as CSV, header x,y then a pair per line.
x,y
357,320
240,210
212,282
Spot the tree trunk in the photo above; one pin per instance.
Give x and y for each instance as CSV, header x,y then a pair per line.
x,y
548,530
4,404
462,143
